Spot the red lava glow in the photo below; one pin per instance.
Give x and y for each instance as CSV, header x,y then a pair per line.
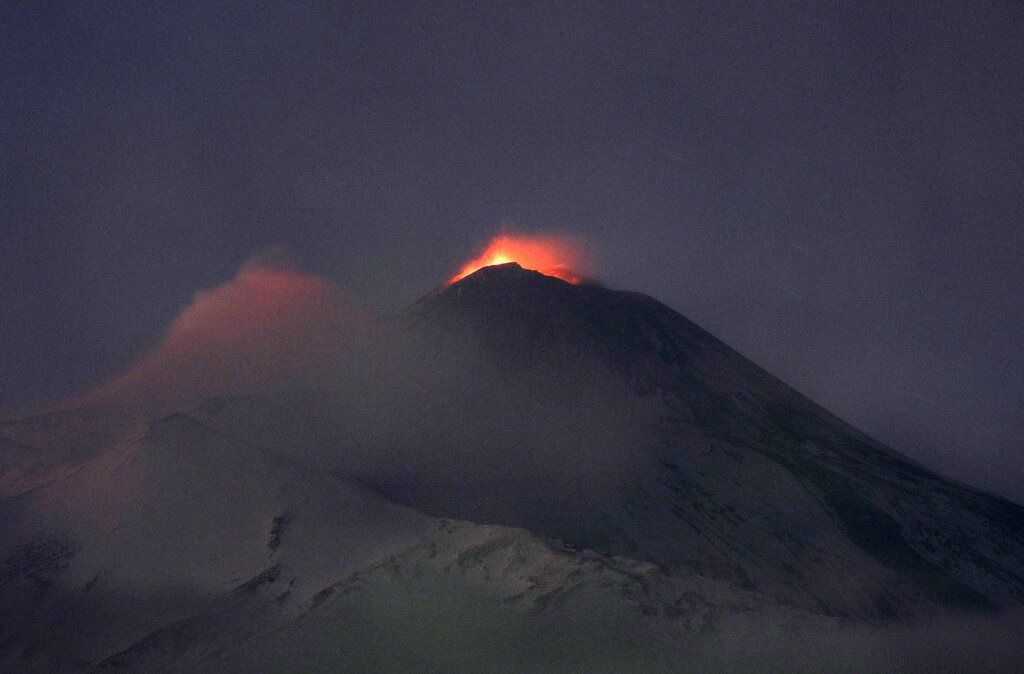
x,y
551,256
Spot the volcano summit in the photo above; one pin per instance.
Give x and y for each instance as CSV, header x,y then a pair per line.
x,y
519,474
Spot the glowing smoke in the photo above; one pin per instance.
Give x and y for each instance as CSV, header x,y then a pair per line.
x,y
271,326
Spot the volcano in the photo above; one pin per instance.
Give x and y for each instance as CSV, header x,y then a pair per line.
x,y
520,474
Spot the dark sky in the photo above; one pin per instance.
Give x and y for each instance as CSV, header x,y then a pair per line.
x,y
836,189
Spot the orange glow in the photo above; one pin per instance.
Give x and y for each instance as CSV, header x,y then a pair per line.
x,y
551,256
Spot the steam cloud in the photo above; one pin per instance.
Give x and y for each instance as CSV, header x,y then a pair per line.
x,y
272,326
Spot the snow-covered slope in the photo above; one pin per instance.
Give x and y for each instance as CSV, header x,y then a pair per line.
x,y
184,548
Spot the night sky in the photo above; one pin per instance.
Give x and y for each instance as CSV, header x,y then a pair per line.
x,y
835,189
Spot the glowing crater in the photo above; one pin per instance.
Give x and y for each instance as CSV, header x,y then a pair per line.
x,y
551,256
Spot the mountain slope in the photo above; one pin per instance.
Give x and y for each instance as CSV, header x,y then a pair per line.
x,y
522,474
742,476
607,420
